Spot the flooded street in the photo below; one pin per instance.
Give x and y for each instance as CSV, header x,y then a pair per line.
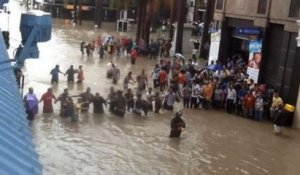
x,y
213,142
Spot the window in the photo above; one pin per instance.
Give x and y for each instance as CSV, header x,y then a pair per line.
x,y
219,5
262,6
294,9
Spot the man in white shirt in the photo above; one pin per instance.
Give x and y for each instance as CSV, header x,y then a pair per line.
x,y
150,98
196,92
230,99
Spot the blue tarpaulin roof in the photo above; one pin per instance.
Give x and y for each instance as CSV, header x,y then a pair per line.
x,y
17,152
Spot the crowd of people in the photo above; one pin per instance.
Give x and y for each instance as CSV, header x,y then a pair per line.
x,y
70,73
123,46
174,79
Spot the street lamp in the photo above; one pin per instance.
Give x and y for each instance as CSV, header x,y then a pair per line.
x,y
298,38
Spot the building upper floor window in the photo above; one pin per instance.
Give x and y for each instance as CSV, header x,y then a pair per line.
x,y
295,9
219,4
262,7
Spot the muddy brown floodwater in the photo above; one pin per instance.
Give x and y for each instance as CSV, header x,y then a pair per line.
x,y
213,142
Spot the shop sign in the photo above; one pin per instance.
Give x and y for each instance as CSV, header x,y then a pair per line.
x,y
247,31
214,46
255,57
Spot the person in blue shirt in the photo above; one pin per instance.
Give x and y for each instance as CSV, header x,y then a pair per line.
x,y
55,72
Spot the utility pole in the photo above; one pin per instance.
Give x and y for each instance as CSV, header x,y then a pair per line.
x,y
98,13
180,25
298,37
75,5
196,8
205,43
80,12
32,2
173,19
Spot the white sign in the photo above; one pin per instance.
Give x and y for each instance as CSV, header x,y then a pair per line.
x,y
214,46
254,59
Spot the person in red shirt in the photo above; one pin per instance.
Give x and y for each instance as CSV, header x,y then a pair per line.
x,y
47,99
248,104
134,55
163,78
181,77
98,42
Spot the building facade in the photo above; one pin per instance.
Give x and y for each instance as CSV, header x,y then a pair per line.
x,y
273,22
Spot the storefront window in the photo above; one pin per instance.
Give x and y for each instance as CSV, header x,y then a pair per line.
x,y
219,5
295,8
262,6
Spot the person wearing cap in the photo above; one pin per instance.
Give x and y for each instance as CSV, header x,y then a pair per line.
x,y
177,125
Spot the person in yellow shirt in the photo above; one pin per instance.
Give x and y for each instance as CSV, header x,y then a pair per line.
x,y
207,94
276,103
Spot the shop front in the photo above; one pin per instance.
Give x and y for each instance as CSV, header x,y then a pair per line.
x,y
240,39
271,54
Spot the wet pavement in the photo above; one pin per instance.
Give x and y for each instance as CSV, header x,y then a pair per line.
x,y
213,142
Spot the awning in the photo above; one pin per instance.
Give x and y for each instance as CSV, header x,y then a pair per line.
x,y
18,154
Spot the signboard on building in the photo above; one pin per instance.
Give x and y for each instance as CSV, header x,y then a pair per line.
x,y
214,46
254,59
83,8
247,31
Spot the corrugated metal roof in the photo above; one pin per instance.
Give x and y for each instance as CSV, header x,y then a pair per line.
x,y
17,152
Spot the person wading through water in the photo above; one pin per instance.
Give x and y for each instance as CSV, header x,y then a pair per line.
x,y
98,102
80,76
47,99
119,104
66,104
177,125
55,72
31,104
86,98
70,74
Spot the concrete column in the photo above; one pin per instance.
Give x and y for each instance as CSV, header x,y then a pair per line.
x,y
296,122
298,38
